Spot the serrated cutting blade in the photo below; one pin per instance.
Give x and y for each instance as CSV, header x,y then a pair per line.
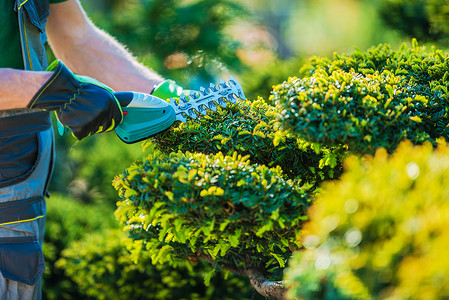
x,y
198,102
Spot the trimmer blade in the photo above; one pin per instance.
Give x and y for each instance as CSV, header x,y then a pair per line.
x,y
207,99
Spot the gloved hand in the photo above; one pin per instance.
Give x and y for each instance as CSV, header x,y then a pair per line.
x,y
83,104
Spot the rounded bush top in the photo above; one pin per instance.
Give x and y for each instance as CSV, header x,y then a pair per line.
x,y
367,100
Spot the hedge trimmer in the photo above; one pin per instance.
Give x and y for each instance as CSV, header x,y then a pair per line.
x,y
145,115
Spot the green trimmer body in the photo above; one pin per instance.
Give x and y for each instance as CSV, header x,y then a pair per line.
x,y
146,115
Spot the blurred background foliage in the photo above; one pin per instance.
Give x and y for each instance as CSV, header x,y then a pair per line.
x,y
195,42
380,232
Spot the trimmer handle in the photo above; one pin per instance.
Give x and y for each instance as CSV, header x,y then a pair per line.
x,y
144,115
124,98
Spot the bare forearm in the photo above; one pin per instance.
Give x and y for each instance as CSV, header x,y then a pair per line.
x,y
87,50
105,59
18,87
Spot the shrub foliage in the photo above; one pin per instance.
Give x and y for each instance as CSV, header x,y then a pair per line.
x,y
421,19
237,190
251,128
380,232
102,268
368,100
217,207
69,220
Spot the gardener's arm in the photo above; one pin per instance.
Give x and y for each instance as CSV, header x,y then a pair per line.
x,y
87,50
17,87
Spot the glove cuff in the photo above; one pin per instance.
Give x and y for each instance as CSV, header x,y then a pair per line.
x,y
58,91
167,89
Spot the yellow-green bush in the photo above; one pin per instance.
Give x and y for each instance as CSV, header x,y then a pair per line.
x,y
371,99
218,207
250,128
380,232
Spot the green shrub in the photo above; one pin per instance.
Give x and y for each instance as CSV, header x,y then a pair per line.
x,y
103,269
438,10
215,207
368,100
68,220
421,19
408,17
251,128
380,232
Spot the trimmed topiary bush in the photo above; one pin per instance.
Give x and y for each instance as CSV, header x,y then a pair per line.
x,y
251,128
380,232
368,100
241,217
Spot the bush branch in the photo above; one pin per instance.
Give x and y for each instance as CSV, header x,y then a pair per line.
x,y
265,287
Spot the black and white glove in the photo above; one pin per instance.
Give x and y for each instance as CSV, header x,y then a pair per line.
x,y
83,104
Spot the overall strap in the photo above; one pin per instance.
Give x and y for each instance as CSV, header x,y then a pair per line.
x,y
32,16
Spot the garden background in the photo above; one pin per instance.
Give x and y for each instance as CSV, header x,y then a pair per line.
x,y
261,43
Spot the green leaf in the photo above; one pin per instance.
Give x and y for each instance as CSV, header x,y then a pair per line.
x,y
130,192
208,277
234,238
224,224
279,259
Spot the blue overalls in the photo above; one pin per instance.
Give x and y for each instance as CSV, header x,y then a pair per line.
x,y
22,203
